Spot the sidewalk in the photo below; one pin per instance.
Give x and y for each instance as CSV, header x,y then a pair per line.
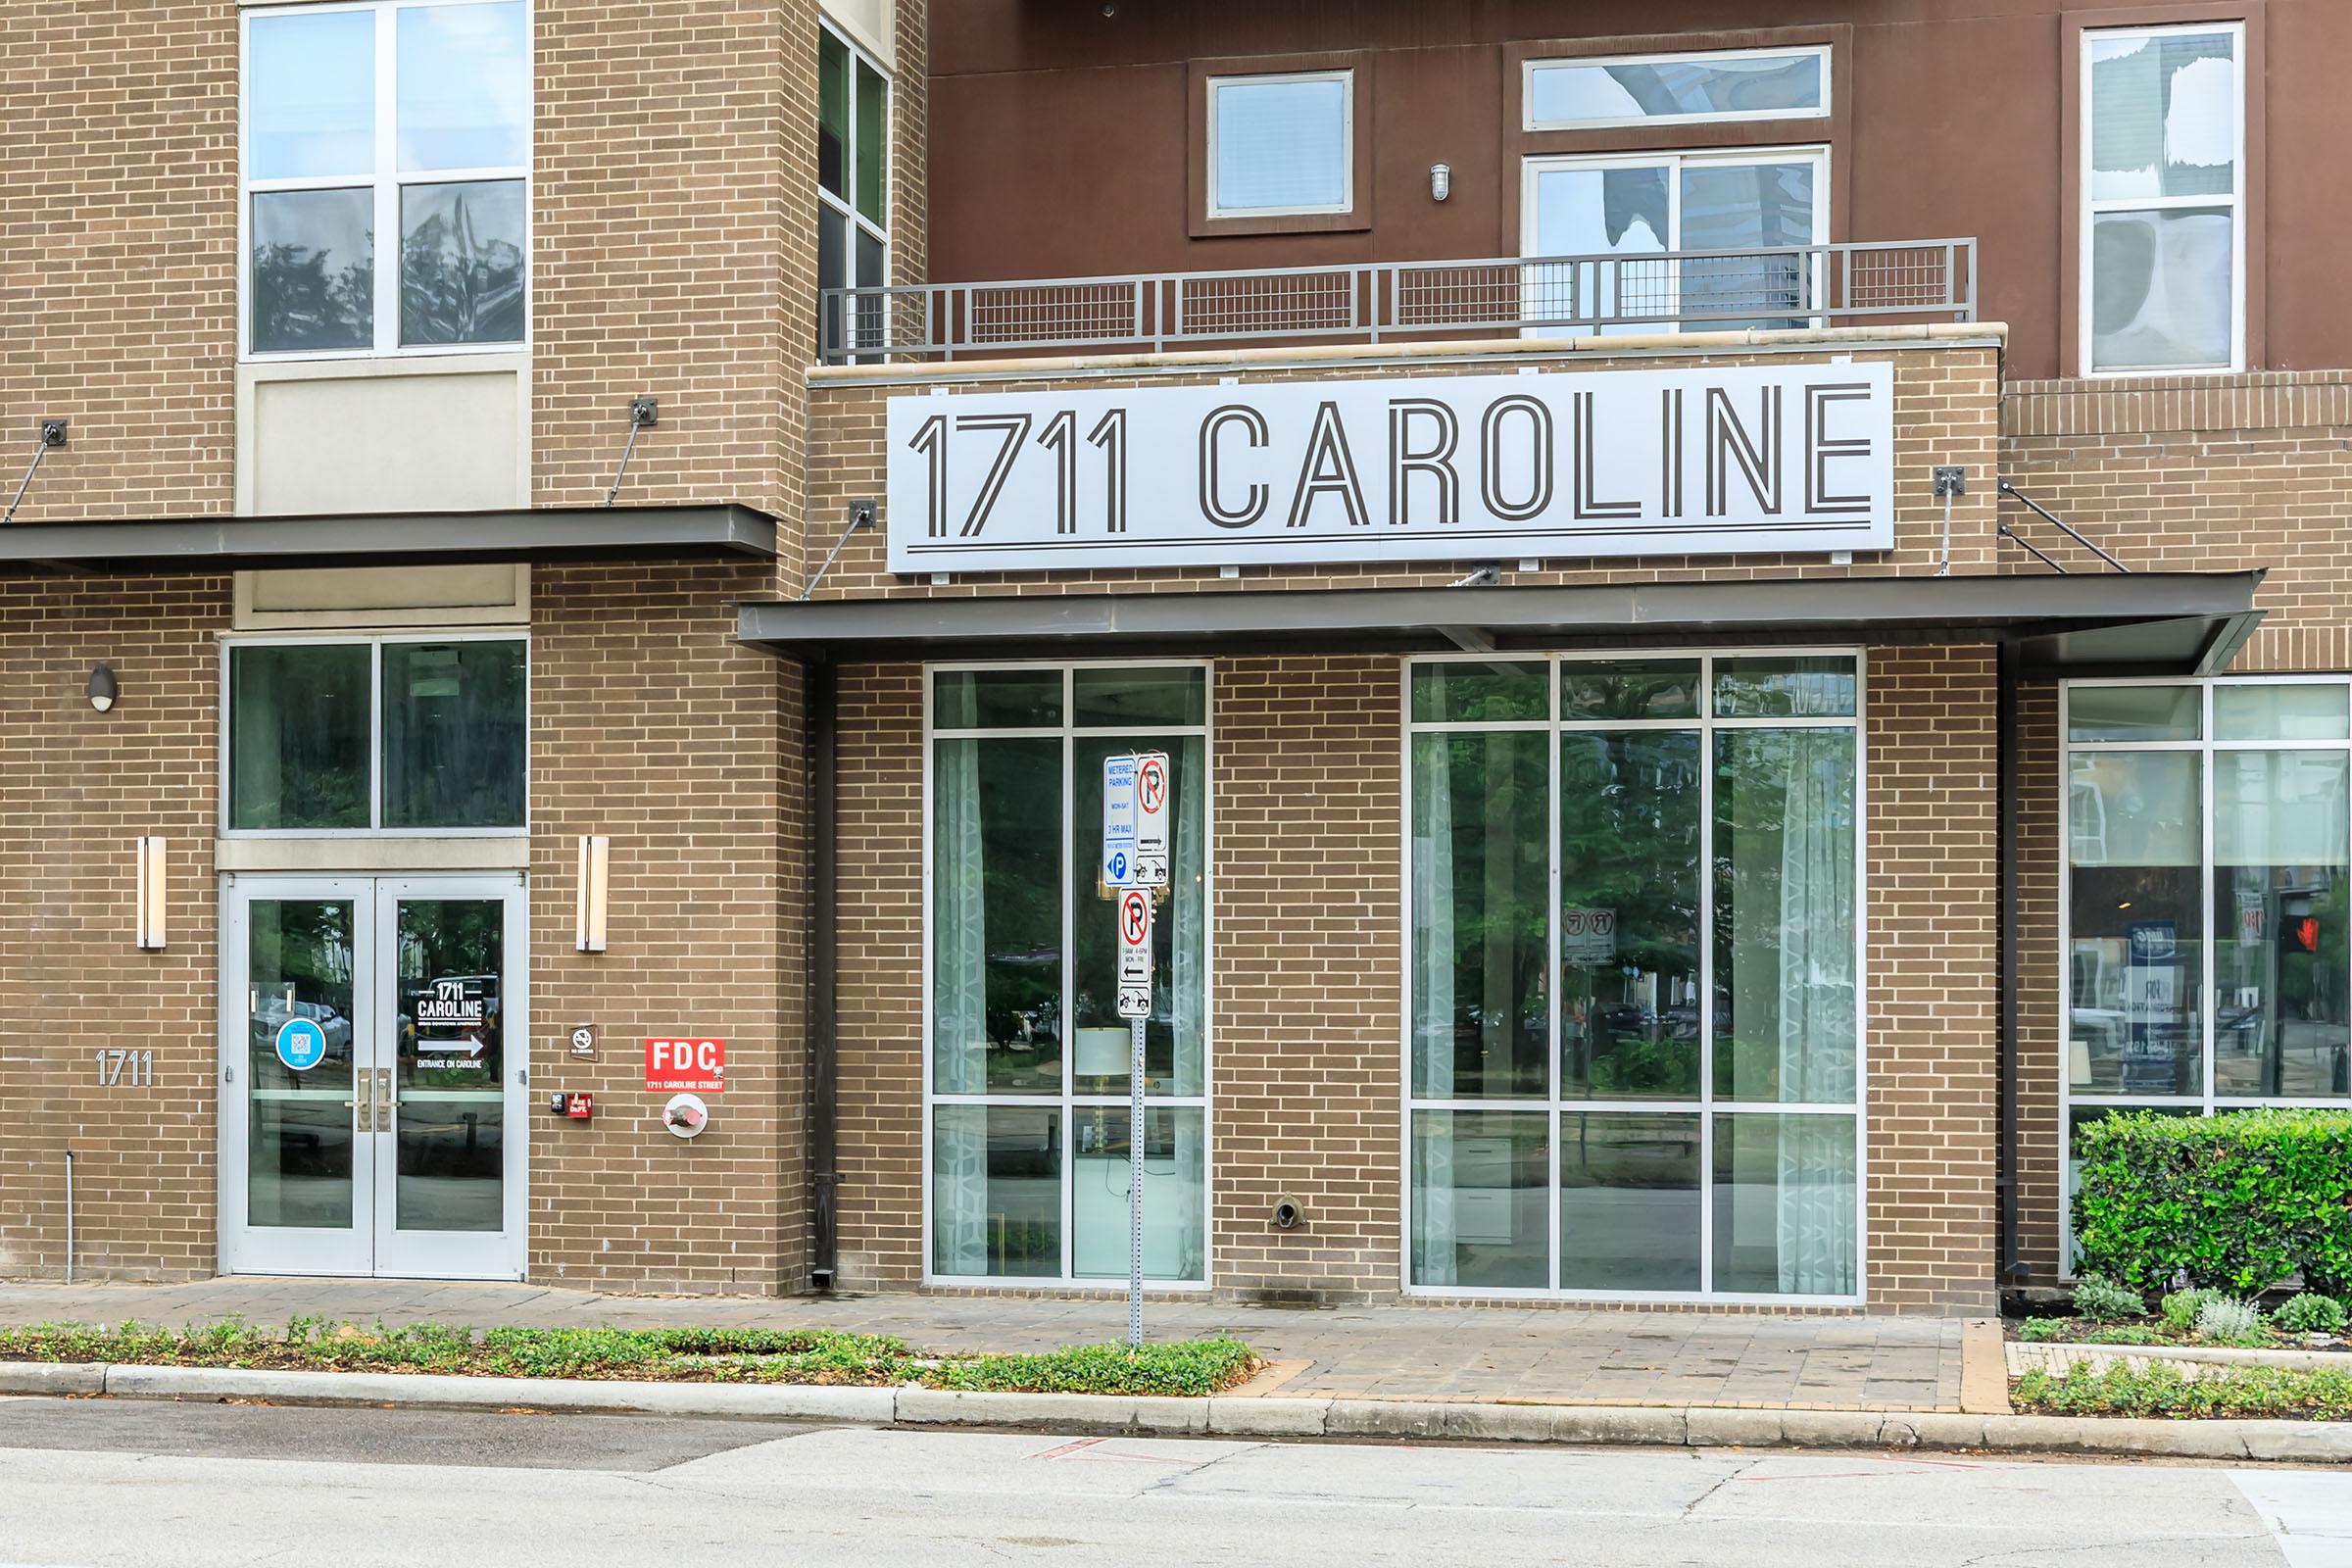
x,y
1435,1354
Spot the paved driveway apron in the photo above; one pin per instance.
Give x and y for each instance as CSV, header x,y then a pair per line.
x,y
1549,1355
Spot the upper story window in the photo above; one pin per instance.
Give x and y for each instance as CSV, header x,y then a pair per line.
x,y
378,733
1280,144
2164,199
853,177
407,118
1677,89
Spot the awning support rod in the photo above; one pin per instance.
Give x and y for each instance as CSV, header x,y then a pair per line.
x,y
2060,524
53,434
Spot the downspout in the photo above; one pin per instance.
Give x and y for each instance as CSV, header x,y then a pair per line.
x,y
824,694
2005,787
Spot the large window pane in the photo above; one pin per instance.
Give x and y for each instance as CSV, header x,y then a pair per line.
x,y
1606,689
462,263
832,113
1746,206
996,1190
298,736
1175,1219
2279,711
2133,712
1464,691
2161,289
1629,914
1785,914
1625,211
995,916
2135,891
1120,698
1629,1202
313,270
873,143
454,741
299,1152
1761,86
310,95
1785,1197
1480,853
1281,145
997,698
1807,686
2163,115
2279,882
465,87
1480,1212
1175,1039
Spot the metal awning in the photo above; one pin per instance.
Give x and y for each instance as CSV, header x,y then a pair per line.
x,y
2115,623
390,539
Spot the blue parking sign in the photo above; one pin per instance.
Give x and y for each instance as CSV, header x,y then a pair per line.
x,y
301,1044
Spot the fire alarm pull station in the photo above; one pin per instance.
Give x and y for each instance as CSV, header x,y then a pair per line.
x,y
580,1107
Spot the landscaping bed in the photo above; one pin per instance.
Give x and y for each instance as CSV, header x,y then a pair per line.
x,y
2163,1391
665,1354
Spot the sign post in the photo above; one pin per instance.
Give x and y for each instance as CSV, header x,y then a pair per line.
x,y
1137,793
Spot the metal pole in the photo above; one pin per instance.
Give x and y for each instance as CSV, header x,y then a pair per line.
x,y
68,1216
1135,1183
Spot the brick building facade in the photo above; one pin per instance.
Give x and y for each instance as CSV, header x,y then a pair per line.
x,y
1675,885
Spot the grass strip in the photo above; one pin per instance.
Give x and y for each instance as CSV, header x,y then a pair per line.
x,y
664,1354
2288,1394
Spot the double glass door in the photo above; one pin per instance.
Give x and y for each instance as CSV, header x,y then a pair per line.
x,y
371,1076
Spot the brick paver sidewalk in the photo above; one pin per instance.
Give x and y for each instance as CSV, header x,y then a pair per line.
x,y
1551,1356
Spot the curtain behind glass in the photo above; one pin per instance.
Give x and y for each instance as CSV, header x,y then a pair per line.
x,y
1479,828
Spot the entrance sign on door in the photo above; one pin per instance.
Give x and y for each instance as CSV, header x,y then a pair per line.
x,y
301,1044
694,1066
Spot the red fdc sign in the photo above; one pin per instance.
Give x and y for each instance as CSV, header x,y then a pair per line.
x,y
685,1066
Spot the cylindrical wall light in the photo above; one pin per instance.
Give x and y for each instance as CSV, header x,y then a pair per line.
x,y
595,881
151,893
102,688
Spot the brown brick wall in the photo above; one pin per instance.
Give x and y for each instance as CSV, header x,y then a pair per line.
x,y
76,788
653,725
2040,1003
1932,1031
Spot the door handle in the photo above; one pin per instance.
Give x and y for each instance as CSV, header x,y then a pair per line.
x,y
383,1099
361,1100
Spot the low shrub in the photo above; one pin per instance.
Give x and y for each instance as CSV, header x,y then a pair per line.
x,y
2311,1313
2102,1301
2237,1202
2160,1390
2226,1320
2179,1309
2035,1330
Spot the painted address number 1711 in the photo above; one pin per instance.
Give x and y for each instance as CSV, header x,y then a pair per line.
x,y
1060,437
136,1068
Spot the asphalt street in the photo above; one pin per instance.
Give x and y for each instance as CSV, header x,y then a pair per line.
x,y
124,1484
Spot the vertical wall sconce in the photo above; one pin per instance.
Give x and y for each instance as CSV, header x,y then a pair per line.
x,y
151,893
595,863
102,688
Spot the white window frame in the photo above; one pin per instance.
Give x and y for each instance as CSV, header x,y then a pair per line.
x,y
1674,161
1534,63
2088,211
1705,1105
376,644
1345,75
846,204
2208,1100
1067,1101
387,182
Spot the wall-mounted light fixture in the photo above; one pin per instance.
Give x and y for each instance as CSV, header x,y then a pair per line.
x,y
595,883
151,893
102,688
1441,182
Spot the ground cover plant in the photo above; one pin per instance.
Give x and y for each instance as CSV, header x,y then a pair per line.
x,y
2159,1389
664,1354
2193,1317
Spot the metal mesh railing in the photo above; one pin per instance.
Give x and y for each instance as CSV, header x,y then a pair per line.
x,y
1793,286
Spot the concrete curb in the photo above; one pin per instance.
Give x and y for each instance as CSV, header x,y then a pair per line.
x,y
1263,1416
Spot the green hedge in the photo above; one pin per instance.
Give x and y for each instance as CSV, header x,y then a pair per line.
x,y
2237,1202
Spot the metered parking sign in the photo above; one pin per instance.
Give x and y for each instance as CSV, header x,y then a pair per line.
x,y
1119,820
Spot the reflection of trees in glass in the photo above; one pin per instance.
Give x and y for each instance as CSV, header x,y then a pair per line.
x,y
452,939
299,303
1629,847
1498,790
456,285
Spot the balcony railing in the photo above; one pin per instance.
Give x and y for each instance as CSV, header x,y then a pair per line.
x,y
1793,286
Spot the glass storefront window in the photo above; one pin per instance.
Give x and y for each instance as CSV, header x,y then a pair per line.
x,y
2207,933
365,734
1583,1109
1028,1057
